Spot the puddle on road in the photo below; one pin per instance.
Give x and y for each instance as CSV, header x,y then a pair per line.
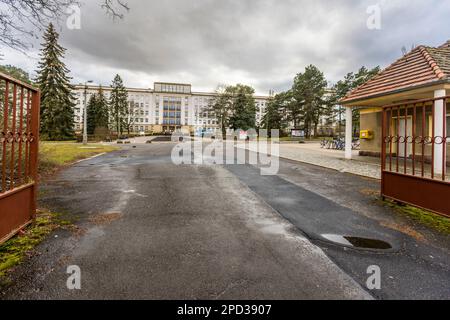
x,y
357,242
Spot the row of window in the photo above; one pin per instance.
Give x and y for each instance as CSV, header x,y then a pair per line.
x,y
211,122
172,121
141,120
172,88
172,107
133,104
172,114
139,112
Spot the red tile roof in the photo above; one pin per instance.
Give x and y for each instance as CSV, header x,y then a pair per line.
x,y
421,66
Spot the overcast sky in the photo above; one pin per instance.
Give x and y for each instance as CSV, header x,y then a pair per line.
x,y
263,43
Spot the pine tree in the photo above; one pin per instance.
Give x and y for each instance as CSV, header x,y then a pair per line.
x,y
309,89
57,99
97,113
118,105
220,106
102,110
92,114
16,73
243,108
350,82
275,118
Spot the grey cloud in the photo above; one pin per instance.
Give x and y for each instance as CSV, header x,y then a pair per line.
x,y
260,42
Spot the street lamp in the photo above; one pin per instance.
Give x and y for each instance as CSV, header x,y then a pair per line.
x,y
85,137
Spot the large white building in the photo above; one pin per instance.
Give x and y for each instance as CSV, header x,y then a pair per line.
x,y
165,108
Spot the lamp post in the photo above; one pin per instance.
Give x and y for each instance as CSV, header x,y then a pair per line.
x,y
85,137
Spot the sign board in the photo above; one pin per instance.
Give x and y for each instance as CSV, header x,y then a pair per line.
x,y
297,133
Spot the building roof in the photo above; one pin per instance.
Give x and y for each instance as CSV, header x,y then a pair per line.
x,y
422,66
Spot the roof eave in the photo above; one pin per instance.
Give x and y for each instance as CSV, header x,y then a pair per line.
x,y
387,93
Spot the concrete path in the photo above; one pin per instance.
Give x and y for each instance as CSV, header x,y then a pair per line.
x,y
333,159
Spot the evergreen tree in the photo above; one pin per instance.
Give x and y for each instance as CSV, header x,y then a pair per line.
x,y
92,114
16,73
97,113
350,82
118,105
308,90
57,99
102,119
220,106
294,107
243,108
275,116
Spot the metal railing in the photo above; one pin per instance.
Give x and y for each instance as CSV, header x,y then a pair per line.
x,y
415,150
19,137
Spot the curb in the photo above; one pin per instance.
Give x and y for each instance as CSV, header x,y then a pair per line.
x,y
93,157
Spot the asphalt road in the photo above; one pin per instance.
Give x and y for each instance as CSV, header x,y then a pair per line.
x,y
149,229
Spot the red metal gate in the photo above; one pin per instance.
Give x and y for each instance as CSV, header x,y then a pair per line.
x,y
19,141
415,160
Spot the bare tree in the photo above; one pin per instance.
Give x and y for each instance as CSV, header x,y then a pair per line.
x,y
21,20
115,8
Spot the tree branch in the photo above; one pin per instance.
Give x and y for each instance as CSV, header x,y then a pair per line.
x,y
21,20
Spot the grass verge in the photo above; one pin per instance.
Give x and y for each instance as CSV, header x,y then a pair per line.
x,y
13,251
53,155
430,219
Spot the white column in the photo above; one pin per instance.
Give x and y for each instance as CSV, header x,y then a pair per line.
x,y
438,130
348,132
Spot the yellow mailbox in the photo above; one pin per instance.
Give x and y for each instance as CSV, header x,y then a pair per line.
x,y
366,135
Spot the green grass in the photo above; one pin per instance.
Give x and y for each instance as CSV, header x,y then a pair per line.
x,y
424,217
56,154
13,251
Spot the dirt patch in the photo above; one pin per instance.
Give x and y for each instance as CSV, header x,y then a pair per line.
x,y
404,229
370,192
77,231
105,218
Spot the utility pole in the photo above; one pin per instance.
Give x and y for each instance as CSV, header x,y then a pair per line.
x,y
85,137
118,123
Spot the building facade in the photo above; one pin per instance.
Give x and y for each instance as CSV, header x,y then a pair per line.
x,y
165,108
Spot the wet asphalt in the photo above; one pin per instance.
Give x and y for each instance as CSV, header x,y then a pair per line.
x,y
148,229
415,265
